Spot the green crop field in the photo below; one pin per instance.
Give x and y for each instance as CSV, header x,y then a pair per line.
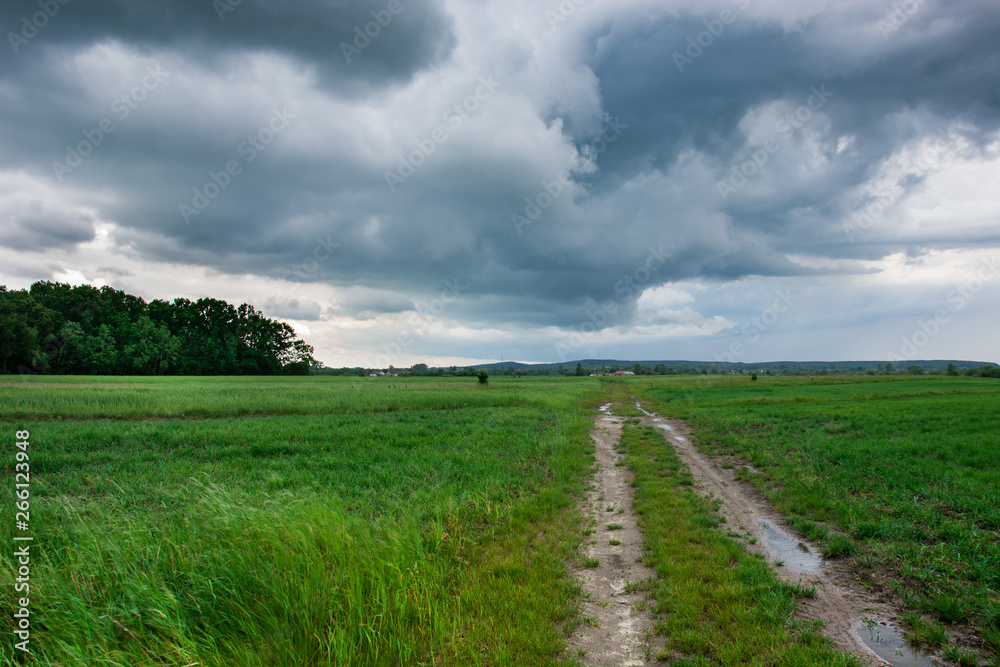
x,y
377,521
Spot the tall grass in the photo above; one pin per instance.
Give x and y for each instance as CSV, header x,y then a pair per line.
x,y
414,537
284,582
71,397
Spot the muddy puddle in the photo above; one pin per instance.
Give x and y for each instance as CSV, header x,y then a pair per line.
x,y
791,552
642,410
887,642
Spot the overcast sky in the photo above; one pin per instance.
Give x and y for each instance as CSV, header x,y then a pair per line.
x,y
449,182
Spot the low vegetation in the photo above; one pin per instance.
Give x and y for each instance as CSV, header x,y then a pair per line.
x,y
44,398
345,538
382,521
901,474
715,603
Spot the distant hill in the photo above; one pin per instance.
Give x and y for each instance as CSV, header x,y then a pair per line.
x,y
808,366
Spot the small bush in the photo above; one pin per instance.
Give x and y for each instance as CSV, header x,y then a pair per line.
x,y
483,376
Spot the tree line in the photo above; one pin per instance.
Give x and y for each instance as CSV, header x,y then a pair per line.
x,y
55,328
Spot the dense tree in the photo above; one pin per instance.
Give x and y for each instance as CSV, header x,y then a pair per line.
x,y
56,328
23,323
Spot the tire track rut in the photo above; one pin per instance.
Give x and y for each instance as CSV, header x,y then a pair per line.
x,y
618,627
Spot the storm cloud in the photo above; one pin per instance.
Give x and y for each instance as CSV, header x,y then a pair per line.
x,y
483,178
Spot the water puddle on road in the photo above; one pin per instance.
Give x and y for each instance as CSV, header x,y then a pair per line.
x,y
795,554
612,419
665,427
641,409
887,643
605,407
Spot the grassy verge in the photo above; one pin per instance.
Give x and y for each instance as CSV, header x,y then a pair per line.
x,y
410,538
901,476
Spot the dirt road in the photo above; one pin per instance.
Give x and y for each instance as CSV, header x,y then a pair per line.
x,y
841,603
618,627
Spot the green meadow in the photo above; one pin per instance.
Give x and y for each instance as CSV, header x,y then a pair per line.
x,y
346,522
109,397
387,521
899,476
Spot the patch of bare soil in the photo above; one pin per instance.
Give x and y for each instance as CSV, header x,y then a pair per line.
x,y
841,602
618,627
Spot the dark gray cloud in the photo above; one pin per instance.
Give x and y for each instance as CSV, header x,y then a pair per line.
x,y
40,230
402,38
541,168
950,75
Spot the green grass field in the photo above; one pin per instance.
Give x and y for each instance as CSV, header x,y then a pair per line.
x,y
348,522
47,397
376,521
900,475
